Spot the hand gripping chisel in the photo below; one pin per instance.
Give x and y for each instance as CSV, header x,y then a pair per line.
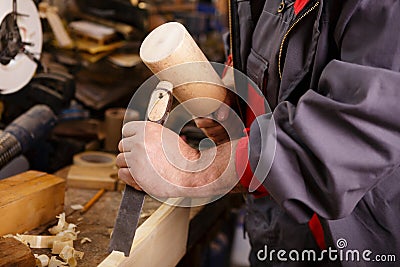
x,y
132,199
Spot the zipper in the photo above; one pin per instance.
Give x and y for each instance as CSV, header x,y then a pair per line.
x,y
232,57
287,33
234,31
230,27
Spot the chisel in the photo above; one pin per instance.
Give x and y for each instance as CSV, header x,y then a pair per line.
x,y
132,200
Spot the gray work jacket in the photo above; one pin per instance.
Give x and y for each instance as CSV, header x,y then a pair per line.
x,y
333,82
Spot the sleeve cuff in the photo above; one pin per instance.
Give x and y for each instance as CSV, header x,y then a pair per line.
x,y
243,169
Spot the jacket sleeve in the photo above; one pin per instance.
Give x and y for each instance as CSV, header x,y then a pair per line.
x,y
331,149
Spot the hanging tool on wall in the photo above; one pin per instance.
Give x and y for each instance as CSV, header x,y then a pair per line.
x,y
21,68
20,44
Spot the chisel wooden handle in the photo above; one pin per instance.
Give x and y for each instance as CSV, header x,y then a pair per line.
x,y
160,103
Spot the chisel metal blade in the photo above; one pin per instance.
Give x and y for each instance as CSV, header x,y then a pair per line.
x,y
127,220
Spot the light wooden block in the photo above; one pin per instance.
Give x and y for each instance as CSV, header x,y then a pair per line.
x,y
29,200
92,177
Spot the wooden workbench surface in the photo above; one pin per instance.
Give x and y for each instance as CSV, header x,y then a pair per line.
x,y
98,222
95,224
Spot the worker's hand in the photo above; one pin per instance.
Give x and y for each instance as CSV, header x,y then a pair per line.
x,y
154,158
221,126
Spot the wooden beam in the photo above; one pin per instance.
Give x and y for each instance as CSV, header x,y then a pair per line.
x,y
159,241
29,200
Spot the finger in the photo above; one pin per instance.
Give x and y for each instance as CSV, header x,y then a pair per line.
x,y
205,122
125,175
221,139
120,146
222,113
132,128
215,131
121,161
127,143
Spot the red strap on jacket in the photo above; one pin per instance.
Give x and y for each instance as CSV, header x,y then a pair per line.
x,y
254,108
243,168
317,231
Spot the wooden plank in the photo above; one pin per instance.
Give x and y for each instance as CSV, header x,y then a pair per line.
x,y
114,259
15,253
92,31
159,241
60,33
29,200
94,48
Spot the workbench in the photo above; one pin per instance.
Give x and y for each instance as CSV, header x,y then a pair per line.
x,y
186,226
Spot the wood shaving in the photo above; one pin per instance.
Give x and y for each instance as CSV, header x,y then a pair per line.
x,y
77,207
58,246
110,231
40,241
42,260
70,255
61,225
85,240
56,263
61,242
69,234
